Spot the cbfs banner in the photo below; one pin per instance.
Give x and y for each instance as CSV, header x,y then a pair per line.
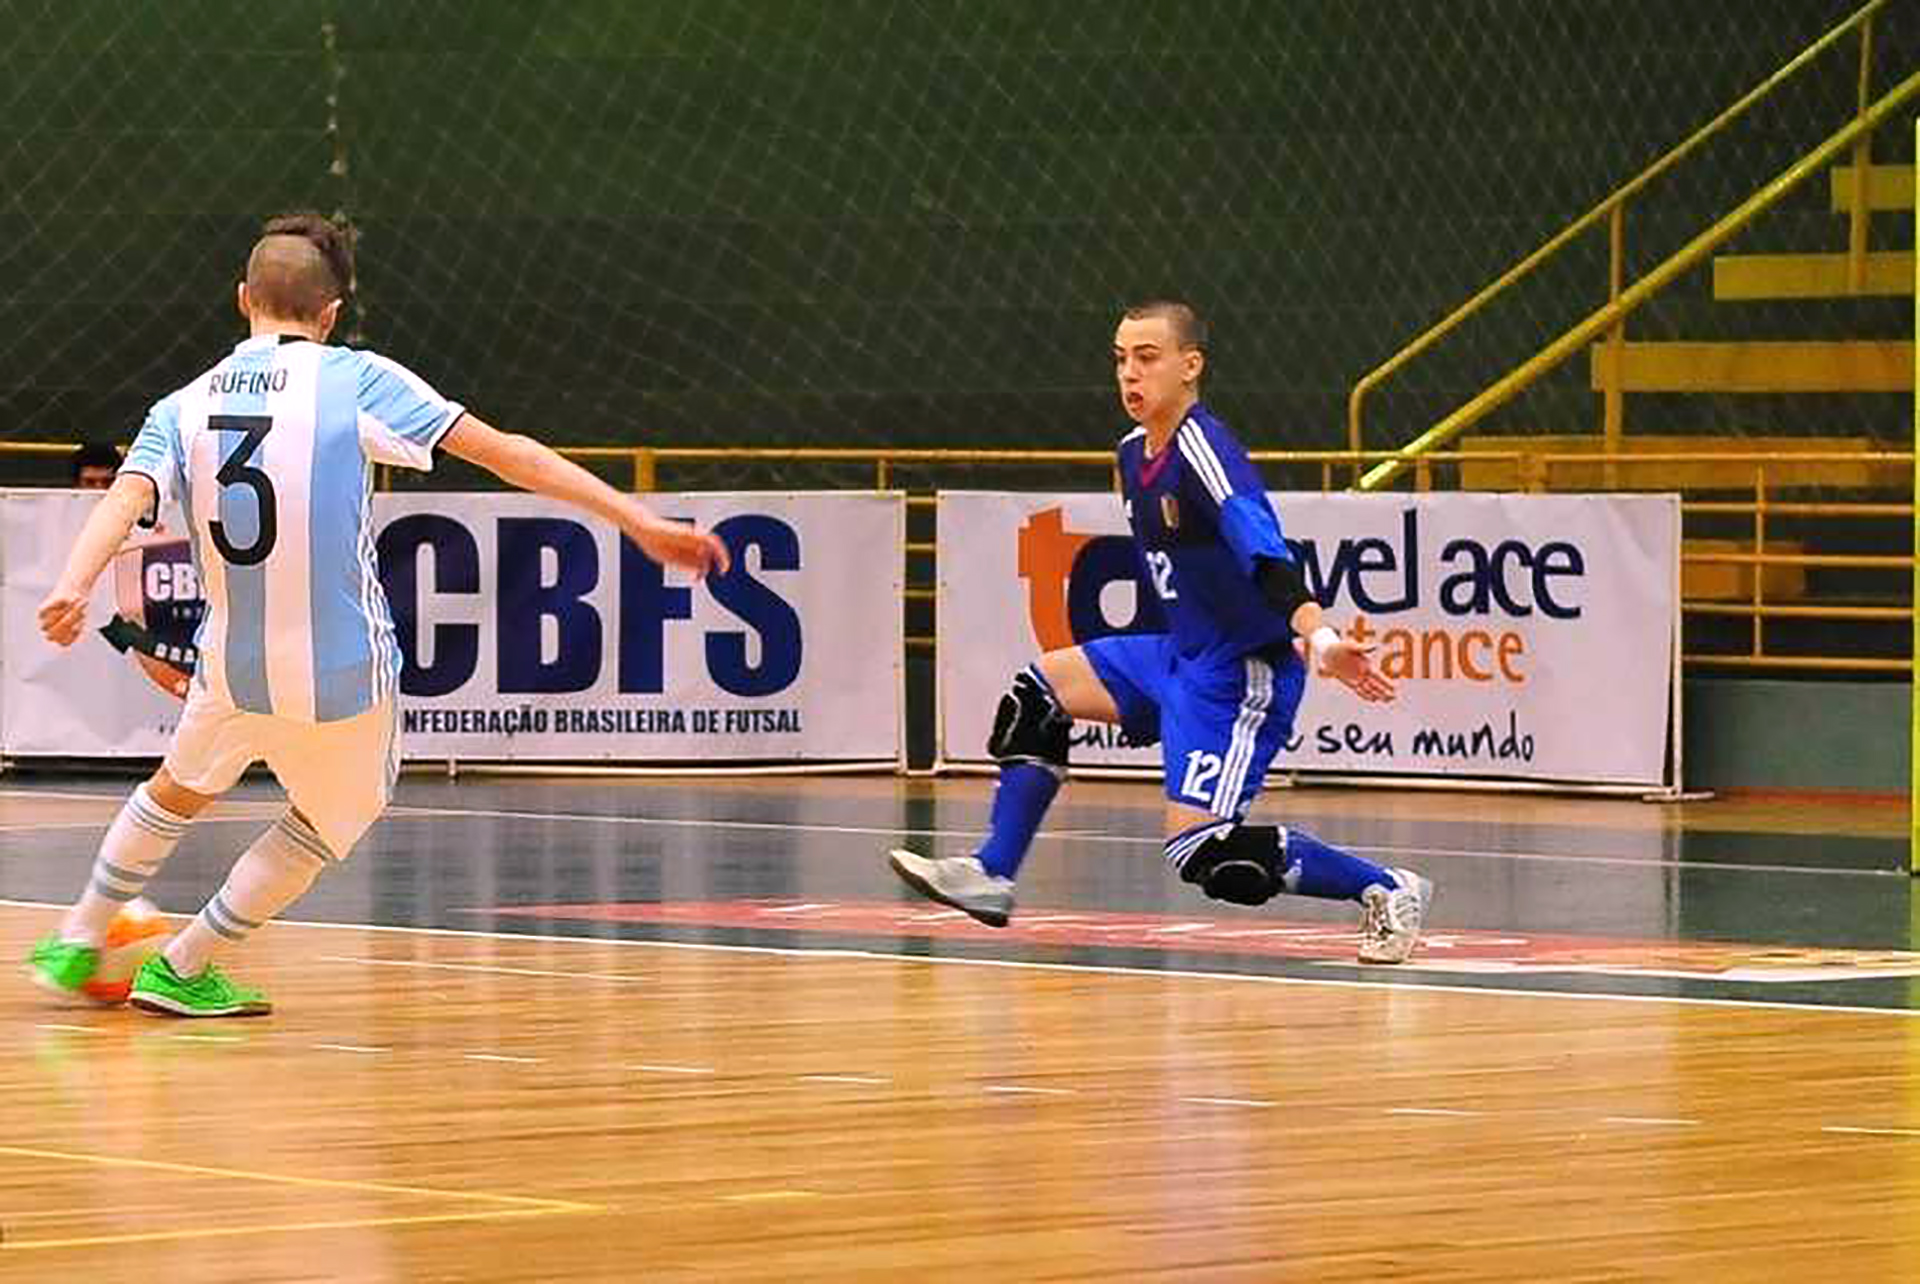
x,y
1530,636
528,632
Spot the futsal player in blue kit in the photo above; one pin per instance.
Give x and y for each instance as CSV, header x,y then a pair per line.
x,y
1218,690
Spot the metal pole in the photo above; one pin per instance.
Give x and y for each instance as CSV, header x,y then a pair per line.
x,y
1859,220
1613,425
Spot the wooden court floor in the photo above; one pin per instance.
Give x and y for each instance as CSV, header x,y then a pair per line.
x,y
574,1031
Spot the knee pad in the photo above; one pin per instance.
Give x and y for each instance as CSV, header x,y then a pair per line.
x,y
1245,865
1030,725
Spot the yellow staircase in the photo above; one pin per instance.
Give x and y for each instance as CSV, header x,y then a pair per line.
x,y
1695,463
1790,366
1785,536
1827,276
1807,366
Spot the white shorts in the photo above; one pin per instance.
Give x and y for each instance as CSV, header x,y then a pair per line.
x,y
339,774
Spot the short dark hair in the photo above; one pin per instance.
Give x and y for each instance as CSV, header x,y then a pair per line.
x,y
302,262
1189,327
93,454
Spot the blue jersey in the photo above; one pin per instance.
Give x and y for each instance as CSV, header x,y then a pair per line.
x,y
1200,517
269,455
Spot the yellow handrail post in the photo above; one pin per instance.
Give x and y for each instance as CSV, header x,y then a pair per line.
x,y
1859,223
1533,472
646,469
880,472
1760,552
1613,423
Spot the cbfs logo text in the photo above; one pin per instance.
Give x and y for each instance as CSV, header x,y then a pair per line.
x,y
545,569
157,610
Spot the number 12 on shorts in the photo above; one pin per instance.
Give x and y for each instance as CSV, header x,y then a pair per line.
x,y
1202,767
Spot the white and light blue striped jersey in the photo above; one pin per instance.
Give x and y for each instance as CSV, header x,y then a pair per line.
x,y
269,456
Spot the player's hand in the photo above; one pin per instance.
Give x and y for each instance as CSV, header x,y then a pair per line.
x,y
1352,663
63,615
679,544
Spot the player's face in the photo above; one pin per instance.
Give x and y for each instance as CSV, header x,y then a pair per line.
x,y
1156,375
94,477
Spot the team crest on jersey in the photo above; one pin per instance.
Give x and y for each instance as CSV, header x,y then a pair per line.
x,y
1170,512
158,609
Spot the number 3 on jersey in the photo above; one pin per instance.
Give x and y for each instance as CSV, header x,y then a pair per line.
x,y
1160,566
238,471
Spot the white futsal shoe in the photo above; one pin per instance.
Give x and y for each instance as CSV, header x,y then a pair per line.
x,y
959,881
1390,917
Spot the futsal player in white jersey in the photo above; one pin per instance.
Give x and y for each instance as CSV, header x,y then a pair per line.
x,y
269,455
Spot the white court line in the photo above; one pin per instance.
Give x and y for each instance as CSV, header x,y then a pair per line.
x,y
349,1047
1436,1112
1014,1088
31,827
866,1079
1088,969
659,1069
1074,835
267,810
1229,1101
496,1056
1127,840
487,968
679,822
1876,1132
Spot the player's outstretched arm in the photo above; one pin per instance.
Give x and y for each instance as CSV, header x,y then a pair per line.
x,y
1319,643
63,614
523,462
1351,662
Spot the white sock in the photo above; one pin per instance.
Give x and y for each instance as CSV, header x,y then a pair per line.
x,y
269,876
138,842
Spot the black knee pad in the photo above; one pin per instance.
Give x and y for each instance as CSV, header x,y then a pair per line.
x,y
1244,866
1030,725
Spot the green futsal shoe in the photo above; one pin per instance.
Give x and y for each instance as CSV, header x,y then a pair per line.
x,y
61,966
158,988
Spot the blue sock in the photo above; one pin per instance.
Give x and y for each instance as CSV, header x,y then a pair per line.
x,y
1025,791
1315,869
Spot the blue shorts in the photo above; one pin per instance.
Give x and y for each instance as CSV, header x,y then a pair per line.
x,y
1219,719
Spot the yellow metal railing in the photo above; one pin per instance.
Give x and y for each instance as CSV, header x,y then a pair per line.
x,y
1537,472
1758,603
645,461
1753,557
1623,300
39,449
